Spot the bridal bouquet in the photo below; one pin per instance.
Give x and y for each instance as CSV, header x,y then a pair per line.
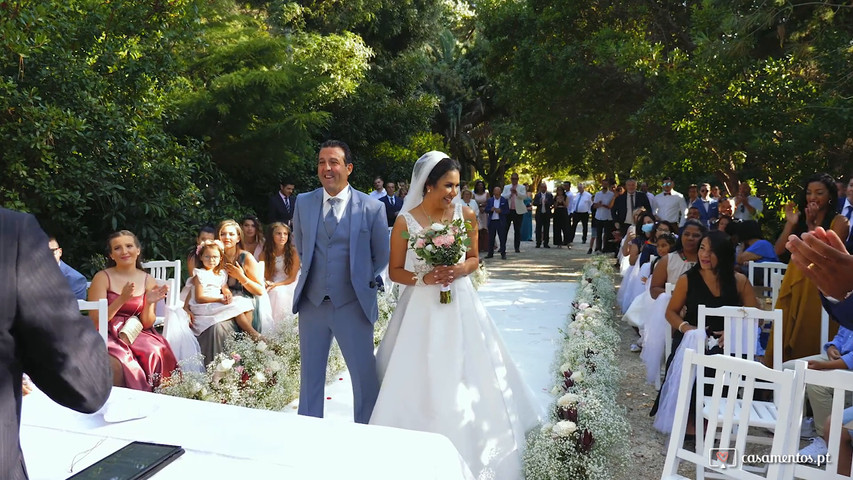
x,y
442,244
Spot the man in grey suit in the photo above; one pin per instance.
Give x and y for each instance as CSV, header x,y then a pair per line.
x,y
341,235
43,334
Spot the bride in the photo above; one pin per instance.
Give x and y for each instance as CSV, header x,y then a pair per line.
x,y
443,367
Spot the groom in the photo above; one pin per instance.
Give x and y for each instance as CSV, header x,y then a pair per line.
x,y
342,238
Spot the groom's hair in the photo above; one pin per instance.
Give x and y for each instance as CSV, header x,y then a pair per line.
x,y
339,144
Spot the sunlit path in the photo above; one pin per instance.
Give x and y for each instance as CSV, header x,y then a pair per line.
x,y
529,317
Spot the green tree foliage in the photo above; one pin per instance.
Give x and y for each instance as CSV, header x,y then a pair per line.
x,y
82,88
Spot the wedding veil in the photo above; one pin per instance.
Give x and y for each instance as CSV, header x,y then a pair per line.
x,y
422,169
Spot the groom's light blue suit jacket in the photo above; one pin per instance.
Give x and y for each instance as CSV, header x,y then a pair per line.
x,y
368,244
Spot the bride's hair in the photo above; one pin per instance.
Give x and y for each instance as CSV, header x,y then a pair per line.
x,y
443,166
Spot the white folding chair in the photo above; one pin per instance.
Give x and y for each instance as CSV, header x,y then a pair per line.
x,y
775,286
168,273
740,325
841,382
101,306
721,457
763,271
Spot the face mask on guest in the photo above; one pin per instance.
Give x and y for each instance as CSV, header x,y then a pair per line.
x,y
648,227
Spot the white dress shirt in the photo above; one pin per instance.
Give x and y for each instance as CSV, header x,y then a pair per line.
x,y
344,195
582,203
570,201
743,213
603,213
377,194
670,207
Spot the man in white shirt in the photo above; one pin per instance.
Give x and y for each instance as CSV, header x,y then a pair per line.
x,y
644,187
515,194
669,205
603,218
379,190
579,210
747,207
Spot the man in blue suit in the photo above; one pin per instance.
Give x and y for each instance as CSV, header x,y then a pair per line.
x,y
707,206
76,280
497,208
341,235
392,203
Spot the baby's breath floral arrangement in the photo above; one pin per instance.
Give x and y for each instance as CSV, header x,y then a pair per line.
x,y
587,434
263,374
479,276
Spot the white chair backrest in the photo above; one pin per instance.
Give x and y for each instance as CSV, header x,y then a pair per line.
x,y
168,272
742,377
101,306
667,341
763,271
740,325
841,382
824,328
775,286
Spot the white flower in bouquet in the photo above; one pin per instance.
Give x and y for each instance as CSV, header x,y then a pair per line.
x,y
195,387
259,378
564,428
274,366
261,346
583,306
225,365
557,389
438,227
577,376
566,367
547,427
429,248
568,400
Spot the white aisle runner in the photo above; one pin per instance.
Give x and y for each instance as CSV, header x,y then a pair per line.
x,y
529,317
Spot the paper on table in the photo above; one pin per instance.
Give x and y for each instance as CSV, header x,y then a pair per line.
x,y
124,409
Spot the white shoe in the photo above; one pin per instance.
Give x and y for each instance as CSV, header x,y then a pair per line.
x,y
809,453
807,428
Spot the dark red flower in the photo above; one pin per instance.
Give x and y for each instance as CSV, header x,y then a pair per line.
x,y
244,377
586,441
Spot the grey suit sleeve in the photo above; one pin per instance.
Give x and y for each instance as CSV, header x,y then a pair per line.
x,y
58,347
380,246
297,232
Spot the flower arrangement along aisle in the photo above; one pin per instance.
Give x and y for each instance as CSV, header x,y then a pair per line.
x,y
587,433
264,374
441,244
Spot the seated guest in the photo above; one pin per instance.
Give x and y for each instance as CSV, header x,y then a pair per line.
x,y
206,233
76,280
212,301
253,235
799,298
661,228
755,248
243,280
140,356
281,269
838,354
722,223
678,262
711,282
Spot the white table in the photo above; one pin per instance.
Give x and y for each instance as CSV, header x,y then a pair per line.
x,y
224,441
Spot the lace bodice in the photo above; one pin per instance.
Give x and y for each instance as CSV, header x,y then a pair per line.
x,y
413,262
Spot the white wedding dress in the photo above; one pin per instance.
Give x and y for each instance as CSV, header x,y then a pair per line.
x,y
444,369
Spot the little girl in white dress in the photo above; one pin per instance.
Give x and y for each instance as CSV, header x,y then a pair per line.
x,y
212,301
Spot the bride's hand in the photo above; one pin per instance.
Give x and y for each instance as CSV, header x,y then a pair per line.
x,y
445,274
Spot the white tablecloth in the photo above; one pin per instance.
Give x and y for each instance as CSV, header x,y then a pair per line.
x,y
224,441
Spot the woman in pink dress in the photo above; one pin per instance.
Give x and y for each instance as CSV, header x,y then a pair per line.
x,y
139,360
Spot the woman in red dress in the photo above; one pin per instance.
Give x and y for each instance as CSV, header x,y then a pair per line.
x,y
139,361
